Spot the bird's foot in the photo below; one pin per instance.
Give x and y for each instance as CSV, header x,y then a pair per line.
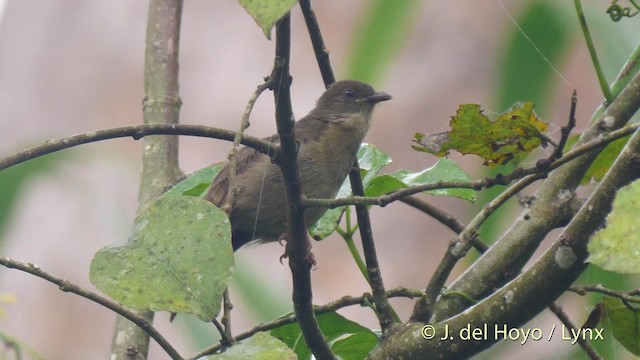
x,y
308,256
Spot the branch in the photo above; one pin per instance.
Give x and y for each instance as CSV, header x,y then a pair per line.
x,y
362,300
566,130
444,217
384,311
584,343
298,246
553,207
321,52
67,286
160,167
597,143
528,294
244,124
136,132
628,296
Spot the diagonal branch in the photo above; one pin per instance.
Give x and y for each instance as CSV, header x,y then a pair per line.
x,y
321,52
532,291
553,207
385,312
67,286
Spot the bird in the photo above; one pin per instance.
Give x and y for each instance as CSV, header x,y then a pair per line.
x,y
328,138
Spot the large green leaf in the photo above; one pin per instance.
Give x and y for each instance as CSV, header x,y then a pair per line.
x,y
601,165
443,170
371,160
348,339
196,183
622,322
178,259
267,12
617,246
260,346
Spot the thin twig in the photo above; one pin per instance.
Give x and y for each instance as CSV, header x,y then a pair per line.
x,y
459,247
67,286
444,217
582,341
137,132
345,301
244,124
386,315
535,171
566,130
321,52
629,296
226,317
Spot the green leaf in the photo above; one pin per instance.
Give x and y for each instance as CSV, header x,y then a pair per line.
x,y
617,246
339,332
443,170
260,346
605,159
371,160
384,184
356,346
267,12
514,132
179,259
623,323
196,183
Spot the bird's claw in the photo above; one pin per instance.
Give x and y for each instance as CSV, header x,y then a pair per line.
x,y
308,257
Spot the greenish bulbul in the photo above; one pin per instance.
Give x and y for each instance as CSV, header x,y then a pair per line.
x,y
329,138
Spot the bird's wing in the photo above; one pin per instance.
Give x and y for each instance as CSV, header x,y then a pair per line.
x,y
309,128
244,158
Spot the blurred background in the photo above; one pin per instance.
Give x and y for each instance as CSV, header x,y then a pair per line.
x,y
73,66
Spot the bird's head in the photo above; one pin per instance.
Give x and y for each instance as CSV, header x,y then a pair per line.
x,y
348,97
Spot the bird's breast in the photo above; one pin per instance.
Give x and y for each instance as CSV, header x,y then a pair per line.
x,y
325,163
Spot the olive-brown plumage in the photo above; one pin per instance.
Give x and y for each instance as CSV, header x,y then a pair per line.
x,y
329,138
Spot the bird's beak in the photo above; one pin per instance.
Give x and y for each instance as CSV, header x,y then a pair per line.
x,y
377,97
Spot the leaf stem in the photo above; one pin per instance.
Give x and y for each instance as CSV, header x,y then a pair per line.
x,y
592,51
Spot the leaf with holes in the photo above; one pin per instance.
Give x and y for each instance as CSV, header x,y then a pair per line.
x,y
517,131
178,259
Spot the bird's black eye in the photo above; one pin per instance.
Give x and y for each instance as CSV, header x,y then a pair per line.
x,y
349,93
